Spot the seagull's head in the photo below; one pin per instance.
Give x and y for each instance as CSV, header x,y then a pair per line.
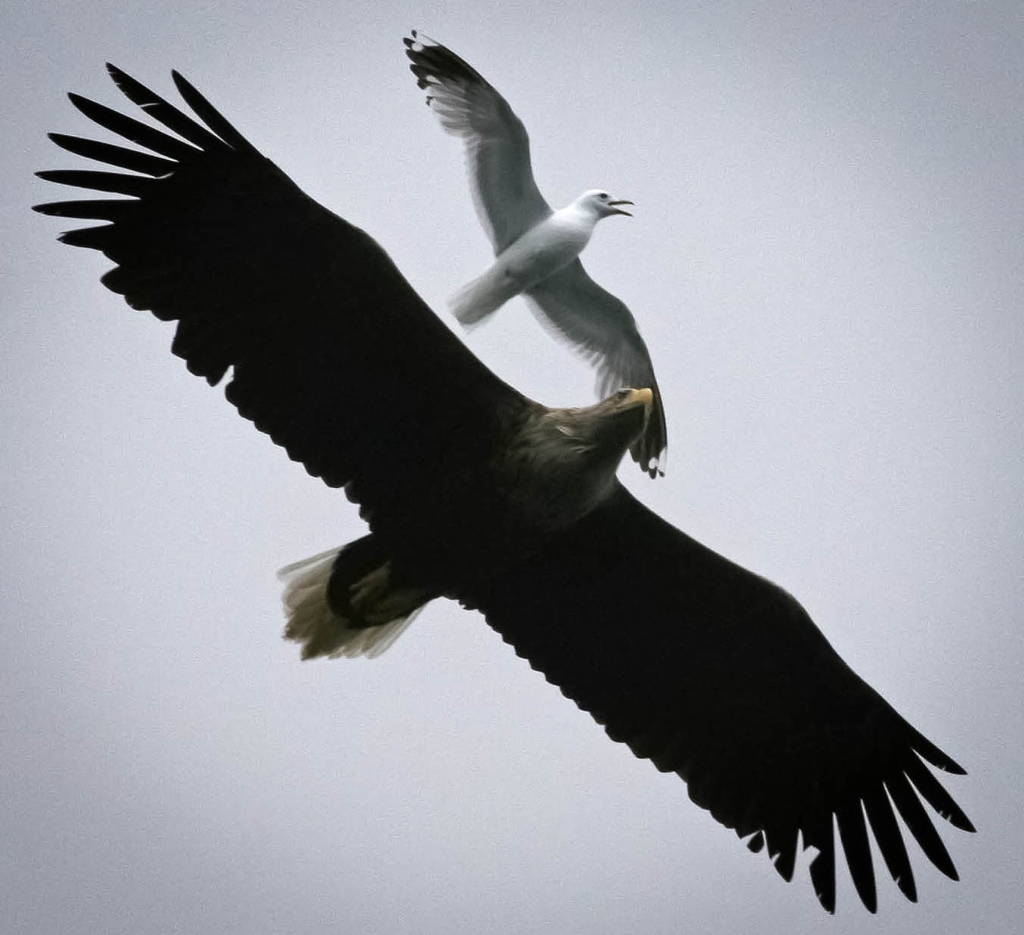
x,y
602,203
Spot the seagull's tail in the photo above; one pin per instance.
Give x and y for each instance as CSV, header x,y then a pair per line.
x,y
346,602
482,297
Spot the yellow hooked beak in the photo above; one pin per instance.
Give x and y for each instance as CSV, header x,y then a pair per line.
x,y
644,397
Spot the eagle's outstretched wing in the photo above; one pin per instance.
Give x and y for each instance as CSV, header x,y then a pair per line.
x,y
719,675
330,351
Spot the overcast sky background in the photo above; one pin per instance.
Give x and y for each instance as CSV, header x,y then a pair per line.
x,y
826,263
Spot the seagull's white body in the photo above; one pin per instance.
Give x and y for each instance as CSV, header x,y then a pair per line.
x,y
537,249
544,249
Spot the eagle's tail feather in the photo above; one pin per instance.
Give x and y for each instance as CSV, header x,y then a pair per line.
x,y
345,602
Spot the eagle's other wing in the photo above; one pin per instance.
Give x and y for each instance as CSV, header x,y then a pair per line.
x,y
715,673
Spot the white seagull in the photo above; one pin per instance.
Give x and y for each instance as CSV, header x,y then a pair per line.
x,y
537,249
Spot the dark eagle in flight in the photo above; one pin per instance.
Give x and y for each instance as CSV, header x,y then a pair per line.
x,y
473,492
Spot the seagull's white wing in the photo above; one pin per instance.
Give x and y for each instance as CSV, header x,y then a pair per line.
x,y
507,200
603,330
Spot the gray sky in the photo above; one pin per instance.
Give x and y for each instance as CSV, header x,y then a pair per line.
x,y
825,261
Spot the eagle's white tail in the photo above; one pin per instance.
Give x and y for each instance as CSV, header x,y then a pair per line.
x,y
369,611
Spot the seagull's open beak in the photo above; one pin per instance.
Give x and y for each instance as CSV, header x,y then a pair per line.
x,y
619,210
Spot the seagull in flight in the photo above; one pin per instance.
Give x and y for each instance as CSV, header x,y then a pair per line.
x,y
536,248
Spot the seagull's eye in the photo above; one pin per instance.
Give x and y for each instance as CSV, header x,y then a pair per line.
x,y
603,196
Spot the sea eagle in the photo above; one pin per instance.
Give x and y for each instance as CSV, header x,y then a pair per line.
x,y
473,492
536,249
